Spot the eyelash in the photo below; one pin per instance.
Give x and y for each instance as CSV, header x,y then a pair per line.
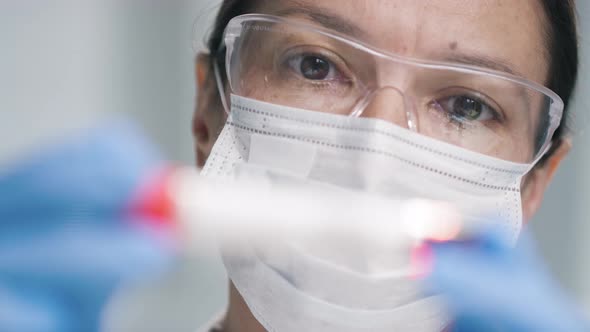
x,y
338,75
337,65
495,115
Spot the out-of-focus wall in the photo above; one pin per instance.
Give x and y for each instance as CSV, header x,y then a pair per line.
x,y
51,70
66,63
580,260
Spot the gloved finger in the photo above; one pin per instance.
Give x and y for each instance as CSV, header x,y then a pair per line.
x,y
466,274
85,255
94,174
490,237
489,285
479,323
25,310
526,250
37,308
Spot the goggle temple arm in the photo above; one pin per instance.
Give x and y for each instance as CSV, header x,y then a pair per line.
x,y
220,87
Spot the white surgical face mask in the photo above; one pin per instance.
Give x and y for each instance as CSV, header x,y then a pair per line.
x,y
310,285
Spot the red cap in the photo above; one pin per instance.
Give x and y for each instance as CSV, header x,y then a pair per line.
x,y
421,260
152,203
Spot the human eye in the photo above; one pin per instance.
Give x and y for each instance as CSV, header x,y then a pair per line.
x,y
464,108
316,66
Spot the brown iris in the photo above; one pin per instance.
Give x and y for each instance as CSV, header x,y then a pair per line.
x,y
314,68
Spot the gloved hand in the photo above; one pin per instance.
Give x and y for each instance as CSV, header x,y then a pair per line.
x,y
490,286
68,238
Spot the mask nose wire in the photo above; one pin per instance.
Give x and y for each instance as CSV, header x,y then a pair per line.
x,y
408,106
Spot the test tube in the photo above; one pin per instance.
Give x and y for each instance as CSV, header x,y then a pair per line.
x,y
231,210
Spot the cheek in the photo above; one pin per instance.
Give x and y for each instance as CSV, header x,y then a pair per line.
x,y
255,84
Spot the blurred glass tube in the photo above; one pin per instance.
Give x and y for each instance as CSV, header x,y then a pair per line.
x,y
255,209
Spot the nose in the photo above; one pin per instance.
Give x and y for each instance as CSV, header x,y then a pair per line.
x,y
389,104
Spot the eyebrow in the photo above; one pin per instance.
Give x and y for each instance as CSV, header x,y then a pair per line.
x,y
333,21
483,61
324,17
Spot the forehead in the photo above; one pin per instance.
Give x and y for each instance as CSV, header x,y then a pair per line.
x,y
505,35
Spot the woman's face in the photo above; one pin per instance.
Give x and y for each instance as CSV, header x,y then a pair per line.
x,y
504,35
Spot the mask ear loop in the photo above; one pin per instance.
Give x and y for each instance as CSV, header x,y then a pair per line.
x,y
220,88
538,159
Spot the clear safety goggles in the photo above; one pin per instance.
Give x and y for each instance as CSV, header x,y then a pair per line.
x,y
300,65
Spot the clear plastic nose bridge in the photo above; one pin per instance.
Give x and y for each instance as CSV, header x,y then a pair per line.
x,y
390,104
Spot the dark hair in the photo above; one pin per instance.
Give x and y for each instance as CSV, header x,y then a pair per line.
x,y
561,35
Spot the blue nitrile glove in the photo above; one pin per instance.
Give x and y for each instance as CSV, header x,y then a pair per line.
x,y
67,238
490,286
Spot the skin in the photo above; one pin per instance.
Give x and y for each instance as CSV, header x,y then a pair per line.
x,y
508,31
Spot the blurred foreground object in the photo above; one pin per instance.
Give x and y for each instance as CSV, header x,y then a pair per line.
x,y
491,286
81,218
66,242
103,210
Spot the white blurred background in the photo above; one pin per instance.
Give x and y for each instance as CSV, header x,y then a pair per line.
x,y
65,64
